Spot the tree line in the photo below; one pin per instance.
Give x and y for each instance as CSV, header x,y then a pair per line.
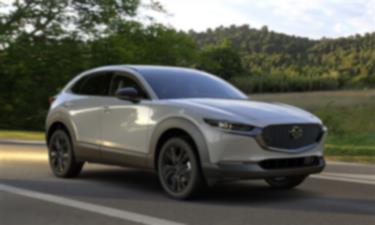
x,y
43,44
275,62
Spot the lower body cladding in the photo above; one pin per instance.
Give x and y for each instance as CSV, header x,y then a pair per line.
x,y
235,156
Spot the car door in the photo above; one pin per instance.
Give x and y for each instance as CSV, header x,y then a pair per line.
x,y
86,108
126,124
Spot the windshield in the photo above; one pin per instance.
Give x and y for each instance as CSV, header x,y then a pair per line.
x,y
182,83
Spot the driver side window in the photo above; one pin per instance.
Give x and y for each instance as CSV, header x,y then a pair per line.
x,y
121,81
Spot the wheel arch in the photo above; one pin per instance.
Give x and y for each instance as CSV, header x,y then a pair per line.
x,y
60,118
177,127
55,126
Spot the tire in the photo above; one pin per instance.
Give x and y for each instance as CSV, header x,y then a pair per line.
x,y
178,169
61,155
285,182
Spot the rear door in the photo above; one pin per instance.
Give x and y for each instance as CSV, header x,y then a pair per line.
x,y
86,108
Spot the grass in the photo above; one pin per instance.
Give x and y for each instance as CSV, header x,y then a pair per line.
x,y
349,116
24,135
359,159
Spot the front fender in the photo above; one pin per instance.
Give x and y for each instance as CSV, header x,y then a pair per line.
x,y
178,123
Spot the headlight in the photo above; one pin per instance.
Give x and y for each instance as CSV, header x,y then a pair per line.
x,y
225,125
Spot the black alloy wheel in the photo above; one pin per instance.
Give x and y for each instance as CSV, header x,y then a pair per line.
x,y
61,155
178,169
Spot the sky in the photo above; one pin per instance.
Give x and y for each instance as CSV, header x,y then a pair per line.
x,y
308,18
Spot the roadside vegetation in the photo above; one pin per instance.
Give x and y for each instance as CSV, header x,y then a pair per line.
x,y
43,44
22,135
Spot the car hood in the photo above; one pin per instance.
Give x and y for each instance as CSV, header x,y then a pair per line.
x,y
248,111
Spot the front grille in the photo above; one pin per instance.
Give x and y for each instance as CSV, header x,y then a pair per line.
x,y
271,164
291,136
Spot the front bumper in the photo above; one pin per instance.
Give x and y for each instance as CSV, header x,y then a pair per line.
x,y
256,170
233,156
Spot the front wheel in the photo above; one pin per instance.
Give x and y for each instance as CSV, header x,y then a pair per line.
x,y
61,155
285,182
178,169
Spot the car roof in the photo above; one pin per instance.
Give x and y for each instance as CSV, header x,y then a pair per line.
x,y
148,68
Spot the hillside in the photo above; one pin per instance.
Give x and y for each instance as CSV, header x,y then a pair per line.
x,y
350,61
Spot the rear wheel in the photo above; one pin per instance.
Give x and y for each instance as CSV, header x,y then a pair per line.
x,y
178,169
61,155
285,182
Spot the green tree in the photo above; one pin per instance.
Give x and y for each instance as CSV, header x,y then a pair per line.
x,y
222,60
45,43
62,18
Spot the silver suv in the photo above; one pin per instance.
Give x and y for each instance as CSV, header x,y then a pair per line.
x,y
191,127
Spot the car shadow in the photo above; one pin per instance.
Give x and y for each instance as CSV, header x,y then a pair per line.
x,y
114,183
145,185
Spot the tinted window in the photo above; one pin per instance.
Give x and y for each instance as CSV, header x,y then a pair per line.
x,y
96,84
78,85
119,82
180,83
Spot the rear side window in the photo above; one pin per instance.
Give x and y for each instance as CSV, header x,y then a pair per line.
x,y
97,84
78,85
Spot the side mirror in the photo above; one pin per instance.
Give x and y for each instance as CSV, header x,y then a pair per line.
x,y
129,94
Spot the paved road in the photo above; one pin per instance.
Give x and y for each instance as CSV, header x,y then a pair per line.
x,y
29,194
